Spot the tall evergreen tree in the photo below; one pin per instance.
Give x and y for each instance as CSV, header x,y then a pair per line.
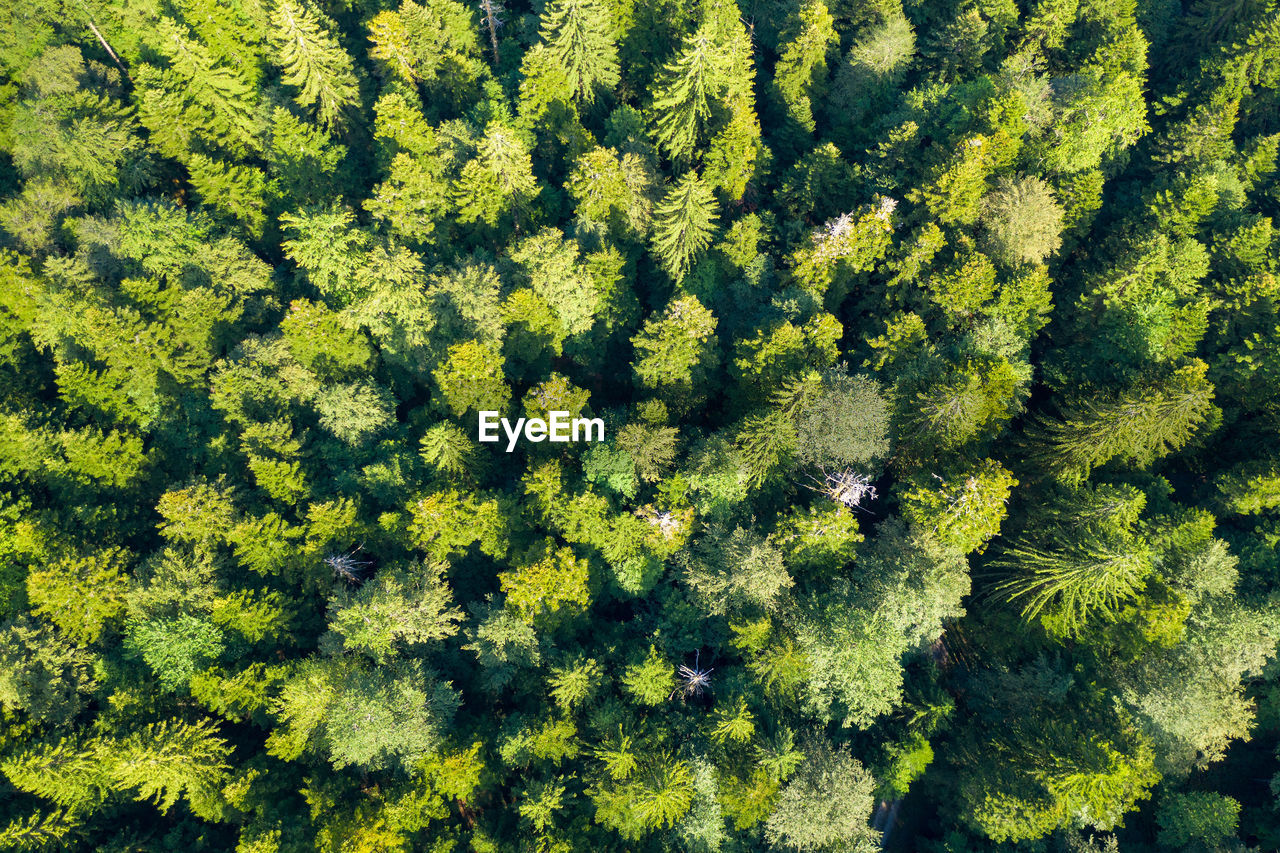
x,y
683,224
579,36
685,92
313,62
1141,425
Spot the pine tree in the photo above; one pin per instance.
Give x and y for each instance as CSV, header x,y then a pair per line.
x,y
328,249
314,62
82,596
371,717
575,683
67,127
682,105
236,189
650,680
663,793
472,380
683,224
654,797
450,451
498,181
1195,818
549,589
39,831
955,193
1079,762
844,422
764,443
304,158
398,608
1023,221
800,75
504,645
1191,698
208,98
1081,579
426,42
42,674
413,198
579,35
738,571
677,347
446,523
1142,424
553,267
964,510
1251,488
171,760
848,244
390,40
615,190
68,773
827,803
854,633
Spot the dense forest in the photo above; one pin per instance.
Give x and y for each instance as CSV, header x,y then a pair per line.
x,y
937,344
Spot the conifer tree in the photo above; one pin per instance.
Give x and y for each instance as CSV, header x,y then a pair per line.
x,y
579,36
208,98
67,773
172,760
800,74
676,348
313,62
262,589
683,224
233,31
498,181
1143,424
1084,578
828,802
38,831
471,379
43,675
1023,221
395,610
85,139
426,42
682,105
82,596
235,189
546,591
614,190
965,510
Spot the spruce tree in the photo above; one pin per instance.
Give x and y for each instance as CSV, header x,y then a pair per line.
x,y
579,36
683,224
685,90
208,99
672,348
1142,424
800,75
313,62
1084,577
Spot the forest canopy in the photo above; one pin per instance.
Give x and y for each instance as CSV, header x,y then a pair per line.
x,y
936,346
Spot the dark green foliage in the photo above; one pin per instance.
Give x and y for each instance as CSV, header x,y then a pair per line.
x,y
1197,818
937,349
826,803
843,420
